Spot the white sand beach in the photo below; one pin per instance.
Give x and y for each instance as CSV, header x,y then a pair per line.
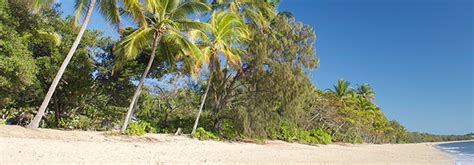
x,y
24,146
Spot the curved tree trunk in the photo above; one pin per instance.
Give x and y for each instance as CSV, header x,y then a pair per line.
x,y
140,84
202,103
211,63
35,122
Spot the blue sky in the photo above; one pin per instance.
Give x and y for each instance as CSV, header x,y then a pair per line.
x,y
417,54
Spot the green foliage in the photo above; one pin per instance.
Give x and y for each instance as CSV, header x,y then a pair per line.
x,y
321,136
267,93
17,66
78,122
417,137
139,128
202,134
313,136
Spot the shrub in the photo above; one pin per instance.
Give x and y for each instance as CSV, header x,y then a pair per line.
x,y
139,128
228,131
202,134
79,122
314,136
321,136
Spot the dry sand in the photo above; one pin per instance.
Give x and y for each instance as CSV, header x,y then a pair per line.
x,y
44,146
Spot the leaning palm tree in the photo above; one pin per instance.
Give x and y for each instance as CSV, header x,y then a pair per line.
x,y
228,32
109,10
35,122
162,22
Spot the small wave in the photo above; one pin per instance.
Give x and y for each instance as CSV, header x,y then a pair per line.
x,y
464,159
453,151
450,148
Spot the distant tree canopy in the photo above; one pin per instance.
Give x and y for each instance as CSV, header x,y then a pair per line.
x,y
261,90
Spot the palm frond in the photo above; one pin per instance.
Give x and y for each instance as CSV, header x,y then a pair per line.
x,y
171,5
110,11
80,8
36,4
135,9
50,36
198,36
187,24
153,6
255,17
189,7
130,46
187,48
231,55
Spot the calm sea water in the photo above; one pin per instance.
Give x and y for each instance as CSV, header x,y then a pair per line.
x,y
463,152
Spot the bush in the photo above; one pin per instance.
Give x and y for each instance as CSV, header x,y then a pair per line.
x,y
314,136
139,128
228,131
79,122
202,134
321,136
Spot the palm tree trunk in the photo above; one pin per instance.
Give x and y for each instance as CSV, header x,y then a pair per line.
x,y
140,84
54,84
202,103
205,94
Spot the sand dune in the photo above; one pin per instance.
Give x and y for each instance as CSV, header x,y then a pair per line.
x,y
24,146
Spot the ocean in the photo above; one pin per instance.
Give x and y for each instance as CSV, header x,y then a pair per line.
x,y
463,152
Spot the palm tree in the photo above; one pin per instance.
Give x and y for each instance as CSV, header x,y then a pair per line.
x,y
226,36
162,22
366,92
35,122
108,8
342,88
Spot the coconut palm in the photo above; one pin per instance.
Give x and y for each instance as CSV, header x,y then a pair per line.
x,y
162,22
109,10
366,92
35,122
228,32
342,88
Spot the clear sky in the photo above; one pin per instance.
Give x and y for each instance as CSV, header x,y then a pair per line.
x,y
417,54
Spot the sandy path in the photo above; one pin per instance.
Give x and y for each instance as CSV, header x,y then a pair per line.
x,y
24,146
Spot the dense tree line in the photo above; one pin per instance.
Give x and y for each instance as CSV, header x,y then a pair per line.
x,y
240,75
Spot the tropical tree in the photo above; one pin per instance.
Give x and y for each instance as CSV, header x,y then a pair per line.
x,y
108,8
162,22
342,88
227,34
35,122
17,65
366,92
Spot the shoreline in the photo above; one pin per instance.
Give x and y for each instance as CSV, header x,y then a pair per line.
x,y
25,146
458,157
455,141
